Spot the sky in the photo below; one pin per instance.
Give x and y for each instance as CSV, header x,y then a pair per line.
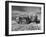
x,y
18,10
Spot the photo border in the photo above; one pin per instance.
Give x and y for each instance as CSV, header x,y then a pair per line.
x,y
7,17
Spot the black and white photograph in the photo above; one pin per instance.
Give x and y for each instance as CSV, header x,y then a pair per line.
x,y
25,18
